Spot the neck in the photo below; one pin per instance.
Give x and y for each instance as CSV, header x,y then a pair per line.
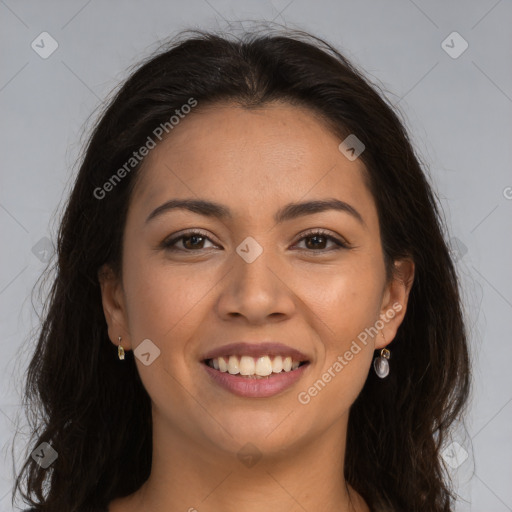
x,y
185,476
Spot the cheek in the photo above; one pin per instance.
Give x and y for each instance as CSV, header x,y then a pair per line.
x,y
161,298
350,301
333,389
162,305
345,311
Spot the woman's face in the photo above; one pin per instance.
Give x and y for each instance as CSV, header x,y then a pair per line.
x,y
250,277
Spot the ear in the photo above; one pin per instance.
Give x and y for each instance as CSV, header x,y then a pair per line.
x,y
394,301
114,308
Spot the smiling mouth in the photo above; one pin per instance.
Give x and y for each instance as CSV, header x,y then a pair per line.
x,y
250,367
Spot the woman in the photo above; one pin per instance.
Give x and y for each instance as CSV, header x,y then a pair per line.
x,y
255,306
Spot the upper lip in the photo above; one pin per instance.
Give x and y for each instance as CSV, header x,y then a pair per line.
x,y
256,350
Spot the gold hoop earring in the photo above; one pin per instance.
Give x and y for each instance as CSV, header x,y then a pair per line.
x,y
120,349
381,364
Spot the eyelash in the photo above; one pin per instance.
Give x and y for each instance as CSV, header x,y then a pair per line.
x,y
169,244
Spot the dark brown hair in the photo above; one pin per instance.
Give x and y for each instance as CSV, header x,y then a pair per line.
x,y
96,413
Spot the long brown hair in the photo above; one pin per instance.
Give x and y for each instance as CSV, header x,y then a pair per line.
x,y
96,413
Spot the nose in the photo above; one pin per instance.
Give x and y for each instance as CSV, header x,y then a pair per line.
x,y
256,291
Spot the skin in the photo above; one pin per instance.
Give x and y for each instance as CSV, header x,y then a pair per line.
x,y
298,292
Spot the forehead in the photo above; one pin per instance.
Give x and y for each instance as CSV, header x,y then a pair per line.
x,y
244,155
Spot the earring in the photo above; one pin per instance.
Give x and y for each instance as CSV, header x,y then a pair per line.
x,y
120,349
380,364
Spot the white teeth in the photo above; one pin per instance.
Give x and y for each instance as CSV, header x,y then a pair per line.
x,y
233,365
250,366
246,365
223,365
263,366
277,364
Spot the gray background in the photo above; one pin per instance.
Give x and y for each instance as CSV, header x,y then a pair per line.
x,y
458,111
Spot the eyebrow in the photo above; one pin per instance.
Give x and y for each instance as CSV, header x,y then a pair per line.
x,y
287,212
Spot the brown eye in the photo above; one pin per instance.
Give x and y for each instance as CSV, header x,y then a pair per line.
x,y
190,241
316,241
193,241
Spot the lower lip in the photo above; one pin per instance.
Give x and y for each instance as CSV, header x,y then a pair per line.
x,y
256,388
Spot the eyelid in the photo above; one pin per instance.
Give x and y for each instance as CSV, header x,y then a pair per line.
x,y
166,244
322,231
341,242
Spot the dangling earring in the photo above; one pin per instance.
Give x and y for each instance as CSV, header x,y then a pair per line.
x,y
380,364
120,349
